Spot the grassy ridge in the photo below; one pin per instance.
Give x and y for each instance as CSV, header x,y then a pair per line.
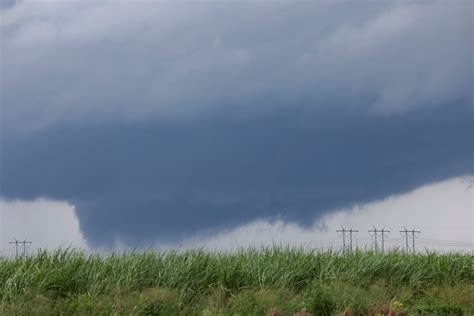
x,y
246,282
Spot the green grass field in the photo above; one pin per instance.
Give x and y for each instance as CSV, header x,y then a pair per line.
x,y
270,281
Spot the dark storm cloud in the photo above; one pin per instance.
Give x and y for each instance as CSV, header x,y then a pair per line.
x,y
74,61
141,182
159,119
6,4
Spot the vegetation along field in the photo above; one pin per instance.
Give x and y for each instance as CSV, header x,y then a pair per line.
x,y
268,281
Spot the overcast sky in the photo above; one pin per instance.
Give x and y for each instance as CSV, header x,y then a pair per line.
x,y
146,122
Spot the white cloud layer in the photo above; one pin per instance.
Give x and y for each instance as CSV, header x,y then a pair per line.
x,y
443,212
84,60
47,224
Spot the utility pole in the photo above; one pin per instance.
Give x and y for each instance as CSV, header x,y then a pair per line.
x,y
24,242
16,243
352,231
349,232
407,232
376,233
383,232
16,246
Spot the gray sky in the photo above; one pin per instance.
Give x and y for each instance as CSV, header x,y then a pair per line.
x,y
163,120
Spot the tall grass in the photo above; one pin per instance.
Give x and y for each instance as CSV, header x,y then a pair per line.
x,y
72,271
68,273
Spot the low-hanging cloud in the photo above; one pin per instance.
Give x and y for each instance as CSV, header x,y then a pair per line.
x,y
442,212
154,180
160,119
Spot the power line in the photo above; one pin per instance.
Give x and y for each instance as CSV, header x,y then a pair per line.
x,y
454,242
446,243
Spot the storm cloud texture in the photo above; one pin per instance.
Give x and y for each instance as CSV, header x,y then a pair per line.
x,y
158,120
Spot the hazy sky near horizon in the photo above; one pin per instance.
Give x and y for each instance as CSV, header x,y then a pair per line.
x,y
159,120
